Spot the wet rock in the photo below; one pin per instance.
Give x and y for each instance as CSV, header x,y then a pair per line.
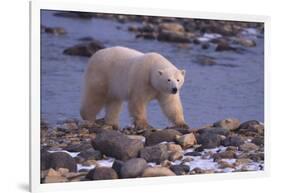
x,y
86,39
168,36
171,27
248,147
187,140
205,46
84,49
54,30
215,130
157,171
251,128
147,28
133,28
230,123
117,145
246,42
224,46
102,173
78,147
193,153
156,153
147,35
225,155
75,14
90,154
117,165
209,140
168,135
259,140
62,160
224,164
247,124
133,168
232,141
180,169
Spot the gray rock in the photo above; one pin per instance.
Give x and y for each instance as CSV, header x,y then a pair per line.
x,y
232,141
117,145
168,135
229,123
156,153
259,140
215,130
62,160
209,140
84,49
117,165
180,169
248,147
102,173
133,168
225,155
90,154
247,124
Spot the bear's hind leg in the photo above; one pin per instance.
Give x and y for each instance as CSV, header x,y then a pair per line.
x,y
112,111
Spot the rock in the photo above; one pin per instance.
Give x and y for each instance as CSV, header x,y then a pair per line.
x,y
248,147
187,140
232,141
205,60
54,30
147,35
171,27
179,37
247,124
193,153
209,140
224,46
180,169
225,164
137,137
117,145
133,28
102,173
205,46
62,160
90,154
251,128
246,42
230,123
175,152
259,140
147,28
44,160
117,165
157,171
78,147
168,135
75,14
86,39
51,172
156,153
84,49
55,179
133,168
173,156
215,130
174,147
225,155
256,156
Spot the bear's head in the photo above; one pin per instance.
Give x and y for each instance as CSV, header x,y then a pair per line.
x,y
168,80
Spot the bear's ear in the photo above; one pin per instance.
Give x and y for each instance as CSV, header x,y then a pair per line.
x,y
183,72
160,72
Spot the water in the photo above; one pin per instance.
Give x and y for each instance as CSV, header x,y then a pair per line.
x,y
233,88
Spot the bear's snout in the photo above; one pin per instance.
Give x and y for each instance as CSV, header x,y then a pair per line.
x,y
174,90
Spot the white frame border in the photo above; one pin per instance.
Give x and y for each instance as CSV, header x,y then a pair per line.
x,y
34,102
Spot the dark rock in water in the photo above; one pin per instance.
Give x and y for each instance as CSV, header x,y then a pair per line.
x,y
224,46
215,130
225,155
102,173
147,35
62,160
205,60
180,169
179,37
44,160
78,147
86,39
84,49
258,141
194,153
90,154
247,42
205,46
231,124
133,168
168,135
147,28
156,153
117,165
54,30
117,145
171,27
209,140
232,141
75,14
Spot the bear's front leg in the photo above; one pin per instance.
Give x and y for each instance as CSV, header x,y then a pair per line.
x,y
172,108
137,109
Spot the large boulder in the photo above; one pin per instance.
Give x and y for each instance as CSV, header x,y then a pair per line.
x,y
156,153
229,123
133,168
102,173
117,145
62,160
209,140
168,135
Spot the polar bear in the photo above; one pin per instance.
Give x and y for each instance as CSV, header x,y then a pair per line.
x,y
119,74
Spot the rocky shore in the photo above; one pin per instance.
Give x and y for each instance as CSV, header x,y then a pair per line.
x,y
76,150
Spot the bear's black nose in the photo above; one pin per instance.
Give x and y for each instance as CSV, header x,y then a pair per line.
x,y
174,90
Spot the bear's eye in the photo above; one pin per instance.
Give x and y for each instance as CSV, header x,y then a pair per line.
x,y
178,80
169,80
